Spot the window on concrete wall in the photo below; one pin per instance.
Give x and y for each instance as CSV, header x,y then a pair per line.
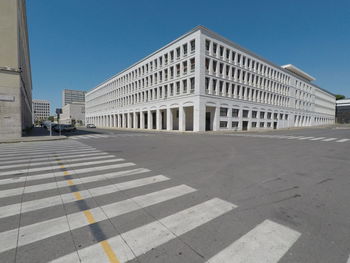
x,y
269,115
206,84
253,124
214,48
254,114
286,116
262,124
193,64
207,45
268,125
171,56
223,124
245,113
275,116
223,112
184,48
235,113
262,115
192,84
193,45
178,52
235,124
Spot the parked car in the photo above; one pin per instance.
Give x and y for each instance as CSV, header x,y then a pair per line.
x,y
90,126
63,128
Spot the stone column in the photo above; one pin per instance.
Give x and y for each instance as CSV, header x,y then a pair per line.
x,y
169,119
149,120
158,120
182,119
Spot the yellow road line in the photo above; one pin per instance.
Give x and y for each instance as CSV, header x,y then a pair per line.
x,y
90,218
109,252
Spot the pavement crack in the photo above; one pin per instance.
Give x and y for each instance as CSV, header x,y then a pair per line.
x,y
325,180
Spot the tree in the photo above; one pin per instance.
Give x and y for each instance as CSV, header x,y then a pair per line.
x,y
339,97
51,118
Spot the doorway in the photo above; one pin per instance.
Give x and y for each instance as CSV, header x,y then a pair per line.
x,y
245,125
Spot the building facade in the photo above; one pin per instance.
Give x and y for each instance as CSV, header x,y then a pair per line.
x,y
15,71
69,96
73,113
41,110
343,111
202,81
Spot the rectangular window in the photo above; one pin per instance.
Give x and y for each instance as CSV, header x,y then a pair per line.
x,y
193,45
235,113
262,115
223,112
245,113
268,124
262,124
223,124
269,114
286,116
254,114
275,116
253,124
207,45
235,124
184,47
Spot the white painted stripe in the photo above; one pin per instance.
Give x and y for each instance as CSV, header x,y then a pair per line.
x,y
34,157
60,184
267,243
348,259
142,239
31,164
317,139
39,169
51,149
61,174
306,138
45,229
343,140
302,137
71,157
33,205
26,156
329,139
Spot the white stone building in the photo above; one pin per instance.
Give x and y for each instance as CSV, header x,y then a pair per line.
x,y
73,113
202,81
41,110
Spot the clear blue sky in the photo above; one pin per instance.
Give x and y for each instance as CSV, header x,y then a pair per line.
x,y
76,44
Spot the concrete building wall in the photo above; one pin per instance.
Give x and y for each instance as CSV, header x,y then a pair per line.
x,y
15,73
41,110
74,111
202,81
71,96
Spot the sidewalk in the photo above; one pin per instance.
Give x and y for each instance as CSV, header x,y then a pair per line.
x,y
36,134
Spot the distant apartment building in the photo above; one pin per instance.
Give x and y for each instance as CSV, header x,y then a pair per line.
x,y
343,111
73,113
15,71
41,110
203,81
70,96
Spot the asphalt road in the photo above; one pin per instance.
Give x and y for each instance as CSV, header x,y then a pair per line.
x,y
280,196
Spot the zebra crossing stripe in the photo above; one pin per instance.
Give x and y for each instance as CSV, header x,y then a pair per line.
x,y
306,138
267,243
41,230
34,205
61,184
51,149
329,139
317,139
46,155
140,240
72,157
43,154
39,169
343,140
31,164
